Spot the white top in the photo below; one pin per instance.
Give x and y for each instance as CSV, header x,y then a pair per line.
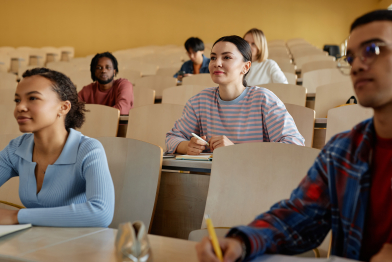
x,y
265,73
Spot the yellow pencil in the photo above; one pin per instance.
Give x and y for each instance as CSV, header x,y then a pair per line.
x,y
213,237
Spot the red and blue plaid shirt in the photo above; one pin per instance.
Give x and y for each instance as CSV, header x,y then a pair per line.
x,y
334,195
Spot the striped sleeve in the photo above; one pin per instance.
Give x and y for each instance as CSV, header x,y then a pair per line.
x,y
97,211
188,123
279,126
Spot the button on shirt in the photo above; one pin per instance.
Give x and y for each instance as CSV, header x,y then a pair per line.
x,y
187,67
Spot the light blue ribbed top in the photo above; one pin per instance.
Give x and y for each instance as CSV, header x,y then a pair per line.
x,y
77,190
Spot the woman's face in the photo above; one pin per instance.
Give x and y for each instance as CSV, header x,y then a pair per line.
x,y
37,105
227,64
249,38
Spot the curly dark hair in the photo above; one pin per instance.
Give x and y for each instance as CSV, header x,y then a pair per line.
x,y
66,91
95,60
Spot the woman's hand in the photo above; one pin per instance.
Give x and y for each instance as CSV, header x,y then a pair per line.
x,y
231,249
8,217
384,255
219,141
196,146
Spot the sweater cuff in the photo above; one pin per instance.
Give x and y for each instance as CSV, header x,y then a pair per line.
x,y
23,217
254,242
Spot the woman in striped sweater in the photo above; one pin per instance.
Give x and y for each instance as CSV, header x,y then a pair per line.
x,y
233,112
64,178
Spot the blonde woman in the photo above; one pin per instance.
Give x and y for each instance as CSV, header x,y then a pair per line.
x,y
263,70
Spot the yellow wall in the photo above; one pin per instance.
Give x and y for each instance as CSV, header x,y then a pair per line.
x,y
93,26
384,4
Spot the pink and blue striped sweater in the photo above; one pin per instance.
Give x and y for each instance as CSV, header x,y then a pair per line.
x,y
257,115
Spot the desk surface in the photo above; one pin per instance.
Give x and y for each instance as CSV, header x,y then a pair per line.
x,y
187,165
85,244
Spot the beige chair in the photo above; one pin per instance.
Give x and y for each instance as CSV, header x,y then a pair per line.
x,y
200,79
291,78
317,65
287,67
157,83
7,97
129,74
292,94
299,61
23,69
5,62
52,54
135,167
304,120
167,71
66,68
179,95
151,123
100,121
146,69
249,178
81,63
7,80
332,95
311,80
67,53
80,78
277,42
345,118
9,191
143,96
9,125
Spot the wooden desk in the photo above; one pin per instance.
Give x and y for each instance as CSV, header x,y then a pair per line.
x,y
85,244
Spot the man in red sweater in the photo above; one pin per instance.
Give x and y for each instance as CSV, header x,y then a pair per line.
x,y
105,90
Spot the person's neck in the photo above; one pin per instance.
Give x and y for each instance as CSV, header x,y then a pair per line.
x,y
383,121
50,141
231,91
105,87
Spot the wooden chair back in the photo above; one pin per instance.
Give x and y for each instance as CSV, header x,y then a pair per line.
x,y
151,123
9,191
317,65
157,83
129,74
332,95
300,61
291,94
287,67
313,79
80,78
167,71
135,167
200,79
100,121
179,95
9,125
249,178
143,96
345,118
7,81
291,78
304,120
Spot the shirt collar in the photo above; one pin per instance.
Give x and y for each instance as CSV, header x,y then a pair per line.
x,y
67,156
366,133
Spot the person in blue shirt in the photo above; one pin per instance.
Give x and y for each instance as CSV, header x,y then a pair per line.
x,y
198,63
64,178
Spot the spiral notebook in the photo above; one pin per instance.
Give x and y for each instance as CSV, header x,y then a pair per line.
x,y
8,229
201,157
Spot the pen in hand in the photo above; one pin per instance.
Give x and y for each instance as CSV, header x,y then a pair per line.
x,y
198,137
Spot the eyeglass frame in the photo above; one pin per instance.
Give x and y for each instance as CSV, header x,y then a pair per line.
x,y
361,57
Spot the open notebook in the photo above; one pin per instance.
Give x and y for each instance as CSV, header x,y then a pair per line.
x,y
201,157
5,230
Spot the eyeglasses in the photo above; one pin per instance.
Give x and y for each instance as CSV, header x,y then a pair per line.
x,y
100,68
367,55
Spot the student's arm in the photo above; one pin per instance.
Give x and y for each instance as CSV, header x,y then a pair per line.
x,y
295,225
181,69
7,165
178,139
279,126
98,209
124,99
277,75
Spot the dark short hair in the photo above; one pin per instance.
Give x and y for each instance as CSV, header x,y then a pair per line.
x,y
66,91
378,15
195,43
242,46
95,60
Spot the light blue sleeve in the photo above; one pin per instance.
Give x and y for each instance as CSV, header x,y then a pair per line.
x,y
7,160
97,211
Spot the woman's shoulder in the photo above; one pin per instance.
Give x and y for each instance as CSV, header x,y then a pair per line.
x,y
82,145
15,143
258,91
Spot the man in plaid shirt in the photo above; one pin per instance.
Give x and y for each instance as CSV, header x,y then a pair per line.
x,y
349,187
